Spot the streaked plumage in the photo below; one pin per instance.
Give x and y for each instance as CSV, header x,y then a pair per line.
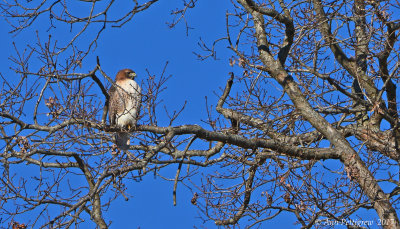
x,y
124,105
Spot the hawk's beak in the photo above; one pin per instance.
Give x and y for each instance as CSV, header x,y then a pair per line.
x,y
132,75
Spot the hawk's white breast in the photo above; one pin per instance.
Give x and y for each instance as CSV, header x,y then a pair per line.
x,y
131,102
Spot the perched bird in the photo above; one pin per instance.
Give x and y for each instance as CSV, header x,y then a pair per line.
x,y
124,105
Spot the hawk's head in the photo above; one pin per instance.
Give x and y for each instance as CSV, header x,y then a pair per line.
x,y
125,74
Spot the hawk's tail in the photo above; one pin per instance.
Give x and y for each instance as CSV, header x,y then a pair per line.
x,y
122,140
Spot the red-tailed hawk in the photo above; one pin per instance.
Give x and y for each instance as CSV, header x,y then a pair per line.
x,y
124,105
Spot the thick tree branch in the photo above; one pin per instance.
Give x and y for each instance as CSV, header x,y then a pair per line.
x,y
351,66
286,19
96,205
348,156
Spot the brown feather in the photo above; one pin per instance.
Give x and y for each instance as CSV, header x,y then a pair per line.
x,y
123,74
111,113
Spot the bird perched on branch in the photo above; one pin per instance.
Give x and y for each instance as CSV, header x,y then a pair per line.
x,y
124,105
